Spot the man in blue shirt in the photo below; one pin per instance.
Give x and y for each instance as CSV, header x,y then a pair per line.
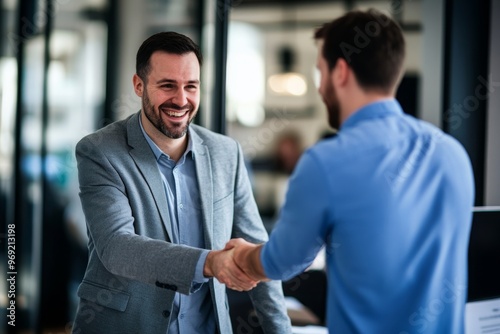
x,y
390,197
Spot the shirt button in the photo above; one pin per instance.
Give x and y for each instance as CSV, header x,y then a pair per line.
x,y
181,206
181,316
166,313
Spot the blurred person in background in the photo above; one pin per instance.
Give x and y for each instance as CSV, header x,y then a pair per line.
x,y
288,151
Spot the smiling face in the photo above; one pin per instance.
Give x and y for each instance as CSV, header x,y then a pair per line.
x,y
171,93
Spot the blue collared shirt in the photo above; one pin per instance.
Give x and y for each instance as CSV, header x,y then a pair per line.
x,y
391,198
193,313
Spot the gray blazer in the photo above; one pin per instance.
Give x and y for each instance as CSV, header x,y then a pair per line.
x,y
134,270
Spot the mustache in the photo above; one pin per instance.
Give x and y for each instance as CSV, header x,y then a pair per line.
x,y
170,105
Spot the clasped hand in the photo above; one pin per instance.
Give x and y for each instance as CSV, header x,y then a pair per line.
x,y
237,265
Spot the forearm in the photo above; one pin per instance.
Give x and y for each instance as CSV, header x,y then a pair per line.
x,y
253,266
151,261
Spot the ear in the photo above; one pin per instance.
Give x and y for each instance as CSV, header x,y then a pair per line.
x,y
138,85
340,73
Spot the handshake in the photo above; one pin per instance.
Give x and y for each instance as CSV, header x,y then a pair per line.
x,y
237,265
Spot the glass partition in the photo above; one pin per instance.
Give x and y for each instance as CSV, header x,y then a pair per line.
x,y
76,86
52,87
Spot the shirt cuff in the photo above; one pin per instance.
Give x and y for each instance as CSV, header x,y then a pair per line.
x,y
198,273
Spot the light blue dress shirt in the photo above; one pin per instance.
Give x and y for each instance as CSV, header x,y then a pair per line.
x,y
391,197
193,313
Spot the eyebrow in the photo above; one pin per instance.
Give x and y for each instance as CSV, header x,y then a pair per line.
x,y
162,81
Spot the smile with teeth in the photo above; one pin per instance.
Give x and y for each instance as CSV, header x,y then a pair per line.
x,y
178,114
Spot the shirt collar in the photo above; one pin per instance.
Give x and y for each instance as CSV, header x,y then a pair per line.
x,y
158,152
378,109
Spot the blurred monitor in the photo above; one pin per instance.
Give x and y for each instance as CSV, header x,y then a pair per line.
x,y
484,254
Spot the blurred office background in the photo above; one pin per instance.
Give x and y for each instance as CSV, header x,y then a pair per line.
x,y
66,70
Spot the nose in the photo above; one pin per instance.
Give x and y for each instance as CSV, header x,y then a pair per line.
x,y
180,98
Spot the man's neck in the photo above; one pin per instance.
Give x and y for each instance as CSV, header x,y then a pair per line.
x,y
357,102
175,148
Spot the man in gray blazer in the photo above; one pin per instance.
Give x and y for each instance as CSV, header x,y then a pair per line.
x,y
160,196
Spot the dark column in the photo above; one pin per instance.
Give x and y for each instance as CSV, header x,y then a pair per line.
x,y
218,111
112,63
199,23
467,27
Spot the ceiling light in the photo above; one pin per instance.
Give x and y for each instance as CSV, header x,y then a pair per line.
x,y
289,83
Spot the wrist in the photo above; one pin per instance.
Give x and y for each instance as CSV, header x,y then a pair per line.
x,y
257,271
207,267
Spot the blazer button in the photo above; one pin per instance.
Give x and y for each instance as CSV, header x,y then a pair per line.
x,y
166,313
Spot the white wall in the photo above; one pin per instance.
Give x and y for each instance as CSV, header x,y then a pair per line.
x,y
432,57
132,30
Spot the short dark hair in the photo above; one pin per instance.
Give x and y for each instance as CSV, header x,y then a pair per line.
x,y
371,43
168,41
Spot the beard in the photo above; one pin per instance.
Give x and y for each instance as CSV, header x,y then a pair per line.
x,y
333,107
334,115
171,130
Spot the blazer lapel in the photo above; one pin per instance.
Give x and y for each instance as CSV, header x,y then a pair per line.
x,y
205,184
146,162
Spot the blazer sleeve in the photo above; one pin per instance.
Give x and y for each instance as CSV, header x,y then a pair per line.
x,y
110,224
267,297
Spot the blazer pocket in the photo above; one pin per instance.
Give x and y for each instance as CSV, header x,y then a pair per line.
x,y
104,296
224,201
